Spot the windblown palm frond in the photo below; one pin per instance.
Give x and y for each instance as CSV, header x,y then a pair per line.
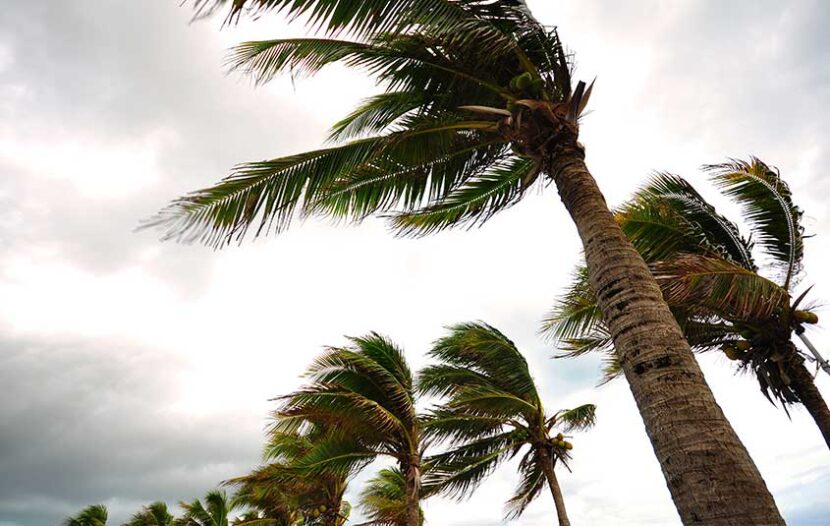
x,y
491,412
214,511
155,514
768,208
95,515
719,287
668,216
383,500
443,144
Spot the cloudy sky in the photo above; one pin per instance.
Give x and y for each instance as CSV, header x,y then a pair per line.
x,y
133,370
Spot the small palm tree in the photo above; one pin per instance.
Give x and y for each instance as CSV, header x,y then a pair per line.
x,y
215,511
363,396
155,514
709,275
284,493
478,104
95,515
493,412
383,500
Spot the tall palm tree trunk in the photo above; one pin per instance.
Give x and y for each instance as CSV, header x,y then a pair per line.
x,y
711,477
555,490
412,473
804,386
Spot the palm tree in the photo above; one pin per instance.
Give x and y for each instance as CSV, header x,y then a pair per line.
x,y
155,514
384,499
284,493
492,414
710,277
95,515
215,511
478,105
363,396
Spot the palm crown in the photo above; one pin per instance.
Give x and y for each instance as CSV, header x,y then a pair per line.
x,y
155,514
708,272
215,511
492,411
283,493
95,515
452,139
363,396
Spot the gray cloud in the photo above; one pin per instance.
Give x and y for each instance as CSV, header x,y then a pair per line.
x,y
89,423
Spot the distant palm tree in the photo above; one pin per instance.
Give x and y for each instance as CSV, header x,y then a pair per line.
x,y
155,514
384,501
215,511
710,277
363,396
283,492
95,515
477,105
493,411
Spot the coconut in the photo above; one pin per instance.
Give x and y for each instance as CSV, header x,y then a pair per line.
x,y
743,345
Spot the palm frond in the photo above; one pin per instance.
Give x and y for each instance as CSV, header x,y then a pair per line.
x,y
458,472
485,350
720,286
531,483
668,216
576,312
155,514
496,189
270,192
577,419
767,205
95,515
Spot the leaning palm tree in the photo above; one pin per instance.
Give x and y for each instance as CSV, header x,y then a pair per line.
x,y
155,514
477,106
95,515
712,281
383,500
493,413
283,492
215,511
362,395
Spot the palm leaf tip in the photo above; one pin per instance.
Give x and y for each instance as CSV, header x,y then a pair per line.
x,y
766,201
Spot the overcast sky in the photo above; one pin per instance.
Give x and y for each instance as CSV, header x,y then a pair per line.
x,y
133,370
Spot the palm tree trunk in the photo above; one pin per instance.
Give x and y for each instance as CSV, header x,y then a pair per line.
x,y
711,477
555,490
802,383
413,491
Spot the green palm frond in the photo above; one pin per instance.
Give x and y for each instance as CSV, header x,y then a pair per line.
x,y
383,499
767,205
155,514
719,286
486,351
668,216
577,419
214,511
95,515
576,313
268,194
458,472
532,481
481,197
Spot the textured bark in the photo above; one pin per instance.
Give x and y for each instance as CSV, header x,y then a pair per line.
x,y
711,477
803,385
555,490
412,474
